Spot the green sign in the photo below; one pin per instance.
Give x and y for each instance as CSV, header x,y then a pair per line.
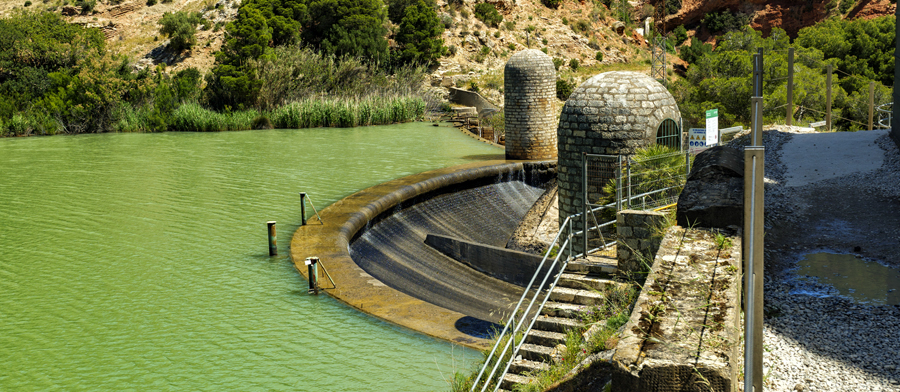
x,y
712,113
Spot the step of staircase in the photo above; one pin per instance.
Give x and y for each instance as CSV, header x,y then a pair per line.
x,y
509,380
523,366
585,281
535,352
545,338
576,296
555,324
562,309
599,265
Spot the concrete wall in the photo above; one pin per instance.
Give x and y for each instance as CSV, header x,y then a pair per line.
x,y
511,266
684,332
471,98
638,241
529,93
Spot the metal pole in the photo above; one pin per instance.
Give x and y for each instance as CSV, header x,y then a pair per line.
x,y
584,205
871,105
754,160
619,184
756,106
790,87
757,73
628,186
828,99
303,208
273,247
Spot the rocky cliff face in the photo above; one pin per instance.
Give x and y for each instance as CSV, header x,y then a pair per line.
x,y
767,14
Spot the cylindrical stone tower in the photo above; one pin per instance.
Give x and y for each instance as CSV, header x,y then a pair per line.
x,y
612,113
530,88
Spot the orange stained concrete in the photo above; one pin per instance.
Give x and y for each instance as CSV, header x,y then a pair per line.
x,y
329,240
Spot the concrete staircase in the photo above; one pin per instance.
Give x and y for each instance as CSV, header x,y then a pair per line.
x,y
578,289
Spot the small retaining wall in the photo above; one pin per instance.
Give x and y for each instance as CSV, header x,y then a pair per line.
x,y
511,266
636,242
683,334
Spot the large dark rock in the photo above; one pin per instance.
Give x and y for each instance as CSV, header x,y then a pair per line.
x,y
714,193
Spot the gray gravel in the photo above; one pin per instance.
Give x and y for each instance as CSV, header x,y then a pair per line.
x,y
820,341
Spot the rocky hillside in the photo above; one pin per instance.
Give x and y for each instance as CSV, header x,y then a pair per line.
x,y
577,30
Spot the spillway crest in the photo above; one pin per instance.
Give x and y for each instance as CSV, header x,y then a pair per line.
x,y
393,250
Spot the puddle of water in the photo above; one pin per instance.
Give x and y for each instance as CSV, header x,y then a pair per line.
x,y
862,281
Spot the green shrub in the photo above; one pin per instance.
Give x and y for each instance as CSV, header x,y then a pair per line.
x,y
512,46
487,13
510,25
599,56
151,3
565,21
564,89
181,27
680,35
28,3
558,62
544,41
474,87
261,122
573,63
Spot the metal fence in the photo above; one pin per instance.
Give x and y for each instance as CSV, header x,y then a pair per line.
x,y
611,183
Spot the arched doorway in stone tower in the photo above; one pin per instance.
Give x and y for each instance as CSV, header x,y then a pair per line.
x,y
669,134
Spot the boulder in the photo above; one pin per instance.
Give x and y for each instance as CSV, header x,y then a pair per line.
x,y
714,193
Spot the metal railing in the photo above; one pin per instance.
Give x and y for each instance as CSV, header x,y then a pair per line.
x,y
508,336
885,114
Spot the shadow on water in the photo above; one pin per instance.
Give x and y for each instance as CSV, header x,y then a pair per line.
x,y
865,282
477,327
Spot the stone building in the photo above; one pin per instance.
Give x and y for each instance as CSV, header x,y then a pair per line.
x,y
529,91
613,113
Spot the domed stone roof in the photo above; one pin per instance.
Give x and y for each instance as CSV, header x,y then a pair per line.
x,y
614,113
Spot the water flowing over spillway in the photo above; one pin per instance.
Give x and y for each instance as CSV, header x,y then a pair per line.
x,y
394,251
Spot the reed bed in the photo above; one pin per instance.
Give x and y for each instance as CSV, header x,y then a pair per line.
x,y
353,112
192,117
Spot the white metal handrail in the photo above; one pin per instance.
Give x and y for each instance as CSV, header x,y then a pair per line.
x,y
512,318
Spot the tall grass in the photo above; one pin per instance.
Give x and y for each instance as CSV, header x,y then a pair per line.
x,y
192,117
331,112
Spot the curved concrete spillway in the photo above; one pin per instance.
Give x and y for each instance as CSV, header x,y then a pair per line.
x,y
393,275
394,250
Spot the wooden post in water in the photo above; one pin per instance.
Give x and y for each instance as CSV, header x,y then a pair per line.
x,y
302,208
273,247
313,272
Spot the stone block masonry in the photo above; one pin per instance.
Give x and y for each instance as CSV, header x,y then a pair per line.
x,y
638,239
530,88
613,113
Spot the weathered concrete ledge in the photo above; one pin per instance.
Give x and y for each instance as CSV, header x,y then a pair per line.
x,y
511,266
345,219
683,333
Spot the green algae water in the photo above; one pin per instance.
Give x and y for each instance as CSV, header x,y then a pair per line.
x,y
140,262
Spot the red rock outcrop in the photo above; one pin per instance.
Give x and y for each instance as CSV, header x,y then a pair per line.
x,y
767,14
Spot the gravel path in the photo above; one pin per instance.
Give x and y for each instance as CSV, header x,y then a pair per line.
x,y
820,341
